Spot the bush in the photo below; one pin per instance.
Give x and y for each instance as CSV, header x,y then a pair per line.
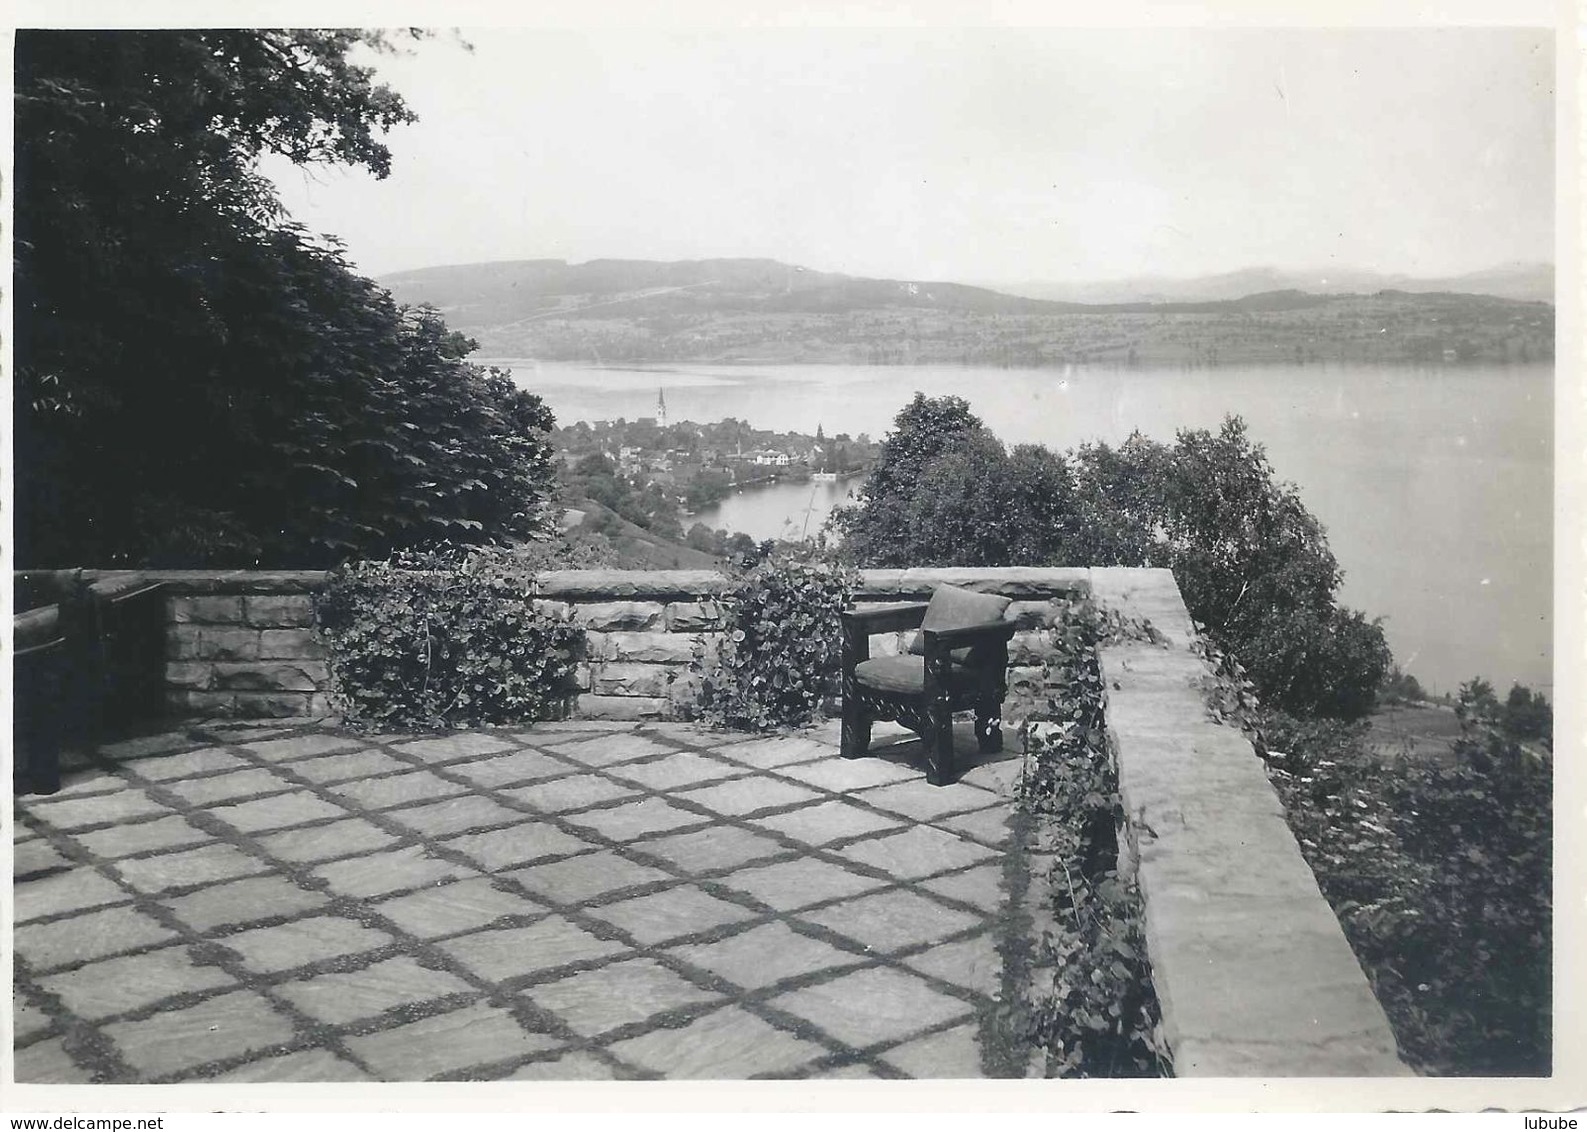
x,y
445,639
1100,1017
783,646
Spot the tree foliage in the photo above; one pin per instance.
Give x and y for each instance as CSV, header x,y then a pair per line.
x,y
198,381
1252,562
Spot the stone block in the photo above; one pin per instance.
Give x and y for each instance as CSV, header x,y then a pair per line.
x,y
695,616
222,643
319,706
646,648
270,705
275,644
270,677
195,703
207,609
279,611
184,642
561,610
583,677
189,674
1029,648
620,616
1026,679
652,585
622,707
615,678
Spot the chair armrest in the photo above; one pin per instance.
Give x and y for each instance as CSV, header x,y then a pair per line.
x,y
969,635
884,619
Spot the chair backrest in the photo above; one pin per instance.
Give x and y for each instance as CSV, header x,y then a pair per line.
x,y
953,607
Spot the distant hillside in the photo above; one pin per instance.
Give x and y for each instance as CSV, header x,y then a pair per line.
x,y
748,310
1530,282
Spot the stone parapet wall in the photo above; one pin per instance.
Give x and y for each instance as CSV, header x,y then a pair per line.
x,y
1252,970
240,643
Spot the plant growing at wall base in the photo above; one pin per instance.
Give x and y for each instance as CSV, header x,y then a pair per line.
x,y
445,638
1099,1017
782,647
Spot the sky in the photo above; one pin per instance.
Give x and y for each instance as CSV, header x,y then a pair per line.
x,y
971,154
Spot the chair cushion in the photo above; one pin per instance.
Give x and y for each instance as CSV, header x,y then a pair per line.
x,y
954,608
893,674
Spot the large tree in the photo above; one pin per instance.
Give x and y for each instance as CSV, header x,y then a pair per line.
x,y
199,381
1252,562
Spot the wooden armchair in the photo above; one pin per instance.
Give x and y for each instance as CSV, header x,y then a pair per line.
x,y
959,668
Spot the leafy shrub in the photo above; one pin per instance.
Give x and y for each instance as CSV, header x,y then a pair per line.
x,y
1100,1017
782,648
445,638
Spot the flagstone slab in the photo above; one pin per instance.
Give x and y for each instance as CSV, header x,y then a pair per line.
x,y
766,754
595,1002
328,769
94,935
608,749
349,996
989,827
575,1066
117,986
241,902
205,865
204,760
453,908
226,787
847,776
394,790
48,1063
765,955
922,801
510,770
446,1044
454,815
37,856
64,892
981,887
799,882
508,848
709,850
451,747
575,792
632,820
304,1067
727,1044
748,796
27,1019
829,822
300,746
505,953
673,771
669,914
96,809
892,921
212,1030
393,870
324,842
301,943
141,837
973,964
872,1006
281,811
952,1053
575,880
918,852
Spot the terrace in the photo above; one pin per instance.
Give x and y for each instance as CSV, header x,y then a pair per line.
x,y
234,899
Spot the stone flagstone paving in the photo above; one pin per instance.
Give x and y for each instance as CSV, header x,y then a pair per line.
x,y
291,902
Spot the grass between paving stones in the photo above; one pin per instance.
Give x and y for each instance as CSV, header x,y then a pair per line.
x,y
1082,991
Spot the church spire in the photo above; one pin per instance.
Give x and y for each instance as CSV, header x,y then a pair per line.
x,y
661,409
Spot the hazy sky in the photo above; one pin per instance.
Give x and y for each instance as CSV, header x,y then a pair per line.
x,y
980,155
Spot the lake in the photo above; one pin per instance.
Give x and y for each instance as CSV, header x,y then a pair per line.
x,y
1435,484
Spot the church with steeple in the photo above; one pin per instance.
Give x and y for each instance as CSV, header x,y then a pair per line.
x,y
661,409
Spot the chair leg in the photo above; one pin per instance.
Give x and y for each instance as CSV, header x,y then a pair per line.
x,y
856,739
988,727
939,747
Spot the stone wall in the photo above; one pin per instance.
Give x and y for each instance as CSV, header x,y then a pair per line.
x,y
240,643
